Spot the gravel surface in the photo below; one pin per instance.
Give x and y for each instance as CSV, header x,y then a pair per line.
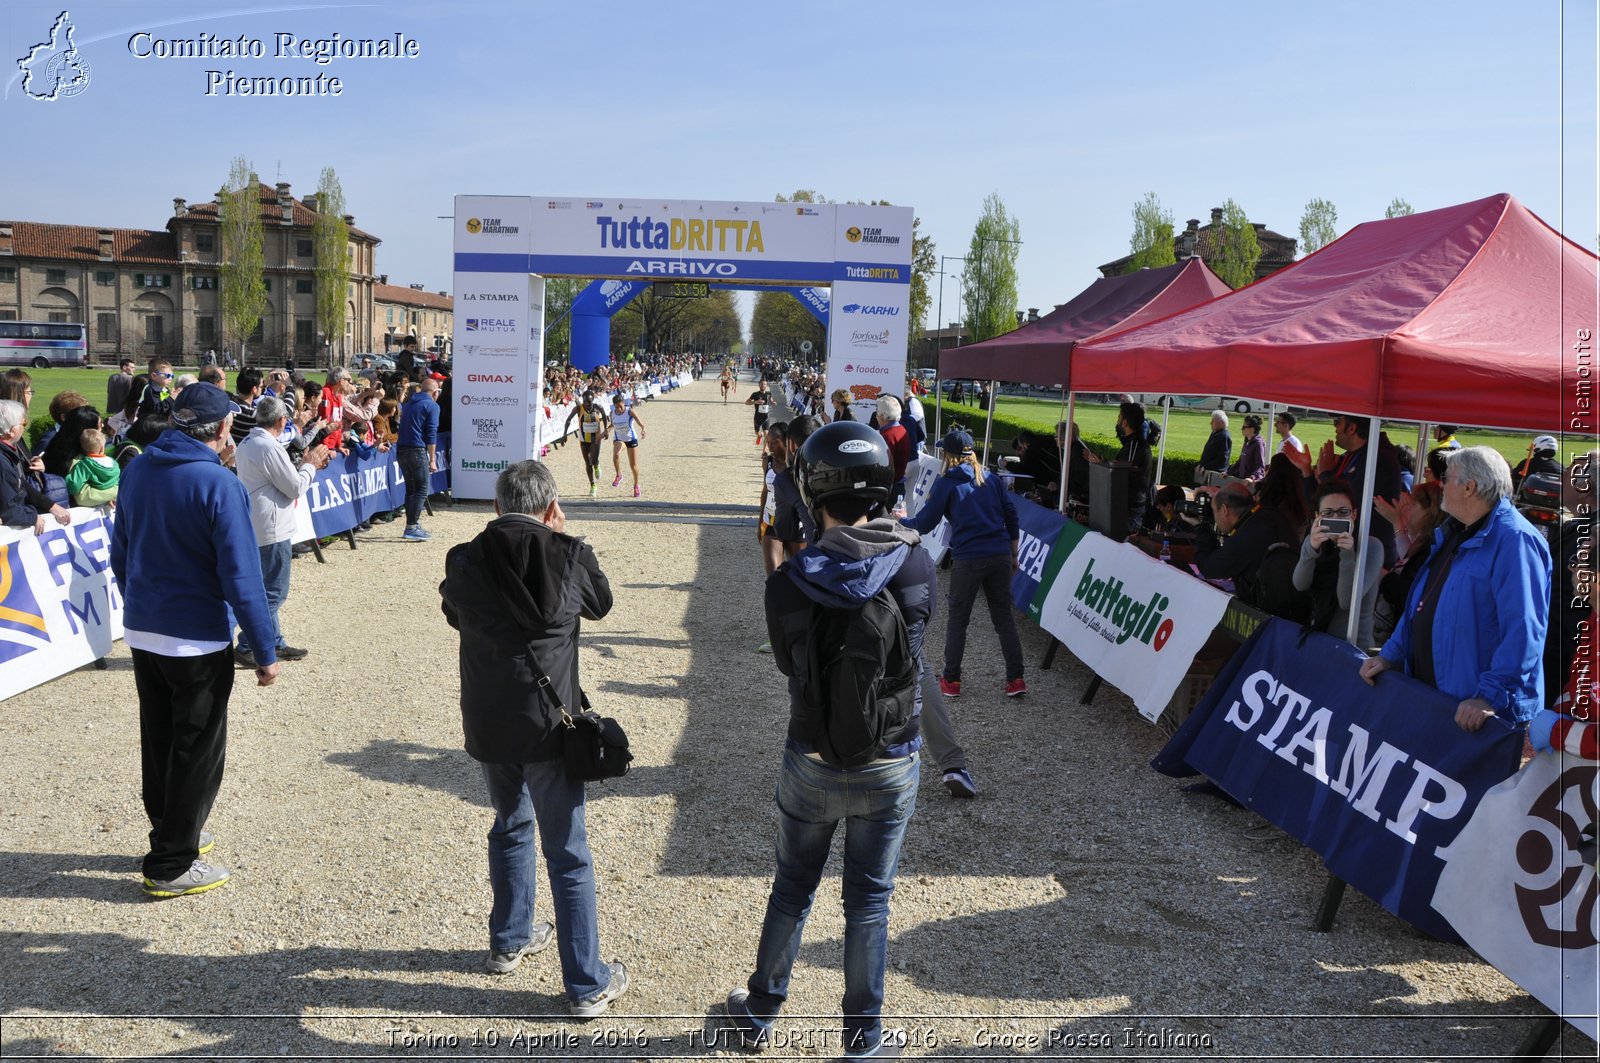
x,y
1082,906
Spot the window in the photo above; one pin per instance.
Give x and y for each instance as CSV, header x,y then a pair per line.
x,y
155,328
205,284
205,330
105,327
260,332
303,286
302,248
305,331
8,273
55,276
153,280
8,315
105,277
388,315
205,243
267,283
58,317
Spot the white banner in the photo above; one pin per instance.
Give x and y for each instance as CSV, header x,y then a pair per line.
x,y
60,607
1134,621
920,475
870,304
1518,889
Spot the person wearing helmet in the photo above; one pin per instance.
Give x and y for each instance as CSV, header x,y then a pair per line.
x,y
984,536
845,475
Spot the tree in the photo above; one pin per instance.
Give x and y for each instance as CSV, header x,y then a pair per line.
x,y
330,242
1399,208
923,264
1234,247
1319,225
989,276
780,324
1151,242
244,285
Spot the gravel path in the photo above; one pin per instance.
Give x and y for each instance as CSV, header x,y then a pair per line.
x,y
1082,906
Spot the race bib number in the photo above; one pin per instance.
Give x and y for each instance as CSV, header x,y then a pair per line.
x,y
591,427
761,407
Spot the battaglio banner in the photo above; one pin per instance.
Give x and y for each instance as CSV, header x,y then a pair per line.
x,y
1377,780
1519,883
60,607
1136,622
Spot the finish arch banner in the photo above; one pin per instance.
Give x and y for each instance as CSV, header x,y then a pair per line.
x,y
506,245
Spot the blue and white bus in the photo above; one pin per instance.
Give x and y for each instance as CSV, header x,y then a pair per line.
x,y
43,344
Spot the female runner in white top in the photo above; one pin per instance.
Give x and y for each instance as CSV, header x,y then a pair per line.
x,y
626,429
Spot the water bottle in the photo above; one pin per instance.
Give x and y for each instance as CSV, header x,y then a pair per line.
x,y
1166,552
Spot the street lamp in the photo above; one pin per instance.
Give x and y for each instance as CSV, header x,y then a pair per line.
x,y
938,396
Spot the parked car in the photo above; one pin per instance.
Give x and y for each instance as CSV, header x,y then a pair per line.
x,y
1200,402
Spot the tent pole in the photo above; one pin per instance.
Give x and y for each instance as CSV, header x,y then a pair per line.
x,y
1421,461
1364,515
938,411
1161,452
1070,401
988,426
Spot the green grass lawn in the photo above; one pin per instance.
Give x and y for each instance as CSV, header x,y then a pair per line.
x,y
1187,430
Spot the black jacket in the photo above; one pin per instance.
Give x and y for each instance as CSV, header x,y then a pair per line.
x,y
844,569
517,589
21,501
1239,555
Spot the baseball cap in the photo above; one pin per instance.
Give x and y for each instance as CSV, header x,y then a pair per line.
x,y
1545,443
201,403
956,442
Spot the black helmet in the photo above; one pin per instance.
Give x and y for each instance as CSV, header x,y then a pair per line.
x,y
845,458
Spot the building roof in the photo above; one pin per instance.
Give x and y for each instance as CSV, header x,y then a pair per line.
x,y
37,239
271,213
394,293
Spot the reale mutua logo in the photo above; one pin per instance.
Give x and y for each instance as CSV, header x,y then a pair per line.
x,y
54,69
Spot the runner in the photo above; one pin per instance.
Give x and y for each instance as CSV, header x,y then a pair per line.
x,y
761,399
591,429
727,382
625,430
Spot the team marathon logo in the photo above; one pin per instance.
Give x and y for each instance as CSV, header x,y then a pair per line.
x,y
1557,899
492,226
857,235
22,626
54,69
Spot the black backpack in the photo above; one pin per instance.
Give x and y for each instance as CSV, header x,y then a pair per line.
x,y
860,682
1272,588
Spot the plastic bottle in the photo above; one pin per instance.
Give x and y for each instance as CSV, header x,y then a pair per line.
x,y
1166,552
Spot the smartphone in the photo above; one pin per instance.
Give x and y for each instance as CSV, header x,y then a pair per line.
x,y
1335,526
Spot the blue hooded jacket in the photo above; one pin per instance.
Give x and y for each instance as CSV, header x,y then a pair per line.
x,y
847,566
1490,621
983,520
183,549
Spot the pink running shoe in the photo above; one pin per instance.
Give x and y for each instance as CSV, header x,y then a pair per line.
x,y
635,490
617,481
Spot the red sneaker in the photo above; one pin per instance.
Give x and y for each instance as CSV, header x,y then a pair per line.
x,y
950,688
1015,688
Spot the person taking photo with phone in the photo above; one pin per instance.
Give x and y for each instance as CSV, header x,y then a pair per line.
x,y
1327,566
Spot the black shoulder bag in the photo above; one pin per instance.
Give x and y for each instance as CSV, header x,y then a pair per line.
x,y
593,747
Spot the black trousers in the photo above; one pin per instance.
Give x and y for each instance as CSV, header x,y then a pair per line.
x,y
183,735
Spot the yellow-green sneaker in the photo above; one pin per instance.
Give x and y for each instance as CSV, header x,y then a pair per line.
x,y
200,877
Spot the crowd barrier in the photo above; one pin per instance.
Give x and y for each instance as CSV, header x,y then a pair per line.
x,y
60,607
1435,824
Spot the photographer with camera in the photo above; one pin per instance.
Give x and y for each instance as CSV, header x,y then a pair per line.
x,y
1327,566
1237,540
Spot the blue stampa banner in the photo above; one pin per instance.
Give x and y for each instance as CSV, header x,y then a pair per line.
x,y
1040,529
1377,780
353,489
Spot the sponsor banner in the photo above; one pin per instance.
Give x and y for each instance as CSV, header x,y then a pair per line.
x,y
1040,528
1136,622
1519,883
499,333
867,342
872,243
60,607
493,225
353,489
1377,780
920,475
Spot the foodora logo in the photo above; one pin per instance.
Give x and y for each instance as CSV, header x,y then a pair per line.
x,y
1142,621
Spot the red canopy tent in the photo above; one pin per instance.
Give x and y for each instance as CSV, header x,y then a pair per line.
x,y
1467,315
1037,352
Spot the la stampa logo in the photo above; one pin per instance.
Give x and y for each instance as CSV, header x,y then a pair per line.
x,y
55,69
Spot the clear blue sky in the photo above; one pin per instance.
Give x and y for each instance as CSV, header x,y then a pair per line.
x,y
1071,111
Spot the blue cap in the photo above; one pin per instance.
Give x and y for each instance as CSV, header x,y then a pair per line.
x,y
201,403
957,442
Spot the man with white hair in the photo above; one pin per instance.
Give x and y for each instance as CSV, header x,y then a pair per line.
x,y
274,486
901,449
1474,623
1218,452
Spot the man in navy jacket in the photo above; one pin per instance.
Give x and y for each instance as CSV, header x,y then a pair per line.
x,y
184,553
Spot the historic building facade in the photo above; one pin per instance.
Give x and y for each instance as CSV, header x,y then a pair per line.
x,y
400,312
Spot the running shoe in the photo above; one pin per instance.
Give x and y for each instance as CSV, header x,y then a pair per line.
x,y
1016,688
950,688
594,489
200,877
959,783
617,481
635,490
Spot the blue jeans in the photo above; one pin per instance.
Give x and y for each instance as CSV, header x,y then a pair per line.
x,y
414,467
519,795
275,558
875,803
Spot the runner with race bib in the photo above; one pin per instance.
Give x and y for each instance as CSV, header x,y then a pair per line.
x,y
761,399
591,418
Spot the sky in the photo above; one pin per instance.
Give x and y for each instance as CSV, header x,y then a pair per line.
x,y
1070,111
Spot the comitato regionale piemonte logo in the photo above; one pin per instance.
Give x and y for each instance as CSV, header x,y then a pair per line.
x,y
54,69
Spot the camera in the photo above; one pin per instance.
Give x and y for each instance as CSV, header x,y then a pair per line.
x,y
1199,509
1336,525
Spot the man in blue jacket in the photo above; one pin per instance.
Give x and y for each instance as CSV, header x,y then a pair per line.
x,y
845,475
418,437
1474,623
180,512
